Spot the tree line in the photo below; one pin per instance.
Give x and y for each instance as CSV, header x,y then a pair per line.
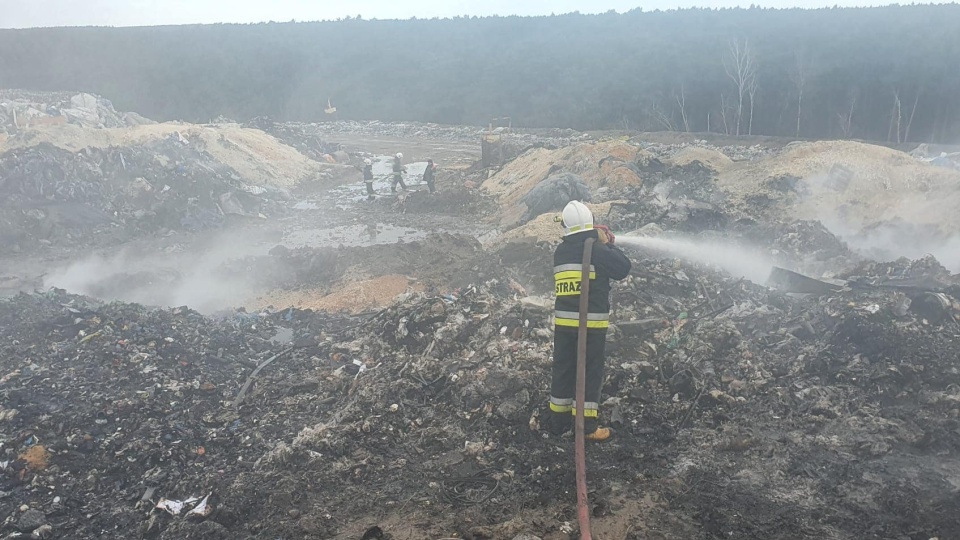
x,y
885,74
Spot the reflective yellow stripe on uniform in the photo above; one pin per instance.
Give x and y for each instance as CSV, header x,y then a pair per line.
x,y
591,409
575,323
560,405
576,228
572,318
568,278
587,412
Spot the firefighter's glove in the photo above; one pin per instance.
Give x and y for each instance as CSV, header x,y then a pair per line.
x,y
605,235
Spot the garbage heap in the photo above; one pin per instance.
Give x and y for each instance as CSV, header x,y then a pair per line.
x,y
737,408
949,159
112,407
308,139
21,109
55,196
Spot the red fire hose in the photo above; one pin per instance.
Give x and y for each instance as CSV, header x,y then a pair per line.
x,y
580,453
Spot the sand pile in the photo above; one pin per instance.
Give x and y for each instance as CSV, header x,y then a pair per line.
x,y
350,297
709,158
861,183
545,229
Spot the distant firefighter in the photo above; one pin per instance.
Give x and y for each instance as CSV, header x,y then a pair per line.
x,y
398,171
368,176
428,175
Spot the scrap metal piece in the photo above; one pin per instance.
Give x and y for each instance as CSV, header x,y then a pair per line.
x,y
793,282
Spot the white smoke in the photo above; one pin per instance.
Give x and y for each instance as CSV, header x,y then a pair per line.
x,y
912,224
192,278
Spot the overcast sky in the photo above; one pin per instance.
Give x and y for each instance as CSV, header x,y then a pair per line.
x,y
32,13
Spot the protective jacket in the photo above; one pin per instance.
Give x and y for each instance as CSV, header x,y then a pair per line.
x,y
607,263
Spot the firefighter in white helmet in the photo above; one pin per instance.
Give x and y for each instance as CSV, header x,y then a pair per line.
x,y
398,170
368,177
607,263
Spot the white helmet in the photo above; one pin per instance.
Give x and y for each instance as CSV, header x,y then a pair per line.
x,y
367,162
399,155
576,218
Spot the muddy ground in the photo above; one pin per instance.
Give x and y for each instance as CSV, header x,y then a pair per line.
x,y
740,411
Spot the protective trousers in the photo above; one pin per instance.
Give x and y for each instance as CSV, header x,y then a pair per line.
x,y
397,179
564,385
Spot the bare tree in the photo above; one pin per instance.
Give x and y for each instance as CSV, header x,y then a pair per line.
x,y
723,114
752,92
916,100
662,117
896,116
799,78
846,118
741,69
682,102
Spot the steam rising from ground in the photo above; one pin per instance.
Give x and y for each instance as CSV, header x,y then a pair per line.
x,y
736,260
889,241
193,278
909,221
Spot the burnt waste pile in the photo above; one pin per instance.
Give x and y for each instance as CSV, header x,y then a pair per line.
x,y
740,411
52,196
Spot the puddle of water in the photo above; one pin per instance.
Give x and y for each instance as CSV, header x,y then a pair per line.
x,y
347,195
351,236
383,166
355,192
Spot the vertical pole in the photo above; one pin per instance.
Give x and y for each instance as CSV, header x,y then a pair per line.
x,y
580,453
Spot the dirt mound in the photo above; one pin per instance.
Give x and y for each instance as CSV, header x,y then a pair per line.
x,y
256,157
544,229
449,200
712,159
608,164
438,261
349,297
853,184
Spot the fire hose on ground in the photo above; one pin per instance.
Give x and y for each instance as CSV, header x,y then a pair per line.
x,y
583,506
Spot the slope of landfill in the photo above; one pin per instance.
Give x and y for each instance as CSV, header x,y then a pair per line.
x,y
864,183
389,376
607,165
254,155
95,173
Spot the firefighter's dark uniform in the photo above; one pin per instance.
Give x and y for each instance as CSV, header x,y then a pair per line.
x,y
428,175
607,263
368,178
397,175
